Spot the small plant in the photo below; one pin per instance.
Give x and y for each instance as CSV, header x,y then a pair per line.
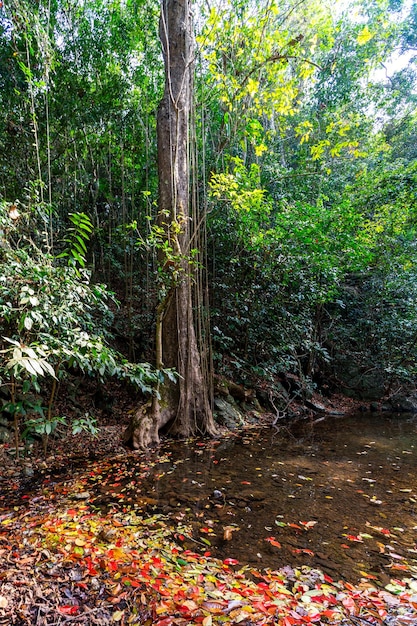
x,y
86,424
77,237
43,427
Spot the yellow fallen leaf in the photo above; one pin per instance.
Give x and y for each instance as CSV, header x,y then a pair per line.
x,y
3,602
207,621
117,616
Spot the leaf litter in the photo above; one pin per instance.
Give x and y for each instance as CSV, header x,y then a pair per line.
x,y
66,560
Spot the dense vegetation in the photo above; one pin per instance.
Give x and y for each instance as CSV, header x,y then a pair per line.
x,y
203,202
302,173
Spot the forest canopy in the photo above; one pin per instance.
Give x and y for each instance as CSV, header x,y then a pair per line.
x,y
299,172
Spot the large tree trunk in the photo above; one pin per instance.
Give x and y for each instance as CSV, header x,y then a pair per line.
x,y
184,406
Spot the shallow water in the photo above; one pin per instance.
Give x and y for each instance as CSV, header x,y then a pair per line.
x,y
339,494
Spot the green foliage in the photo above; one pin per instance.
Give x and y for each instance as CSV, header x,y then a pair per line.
x,y
292,260
77,237
54,320
310,163
85,424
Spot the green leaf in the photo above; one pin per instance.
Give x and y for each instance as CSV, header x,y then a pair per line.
x,y
28,323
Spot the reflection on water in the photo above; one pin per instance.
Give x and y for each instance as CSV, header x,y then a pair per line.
x,y
340,494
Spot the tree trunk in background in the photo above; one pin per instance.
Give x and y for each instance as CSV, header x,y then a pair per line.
x,y
184,406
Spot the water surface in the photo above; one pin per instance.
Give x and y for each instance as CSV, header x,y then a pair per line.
x,y
339,494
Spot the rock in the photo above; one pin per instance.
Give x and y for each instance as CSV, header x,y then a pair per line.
x,y
227,414
83,495
315,405
404,403
355,383
6,435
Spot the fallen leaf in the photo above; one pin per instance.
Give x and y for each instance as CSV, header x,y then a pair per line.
x,y
273,542
117,616
228,532
68,609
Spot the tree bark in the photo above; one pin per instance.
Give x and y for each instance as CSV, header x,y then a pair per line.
x,y
184,406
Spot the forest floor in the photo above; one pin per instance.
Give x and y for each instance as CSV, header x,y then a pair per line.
x,y
66,560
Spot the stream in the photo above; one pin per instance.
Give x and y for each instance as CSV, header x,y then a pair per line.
x,y
338,493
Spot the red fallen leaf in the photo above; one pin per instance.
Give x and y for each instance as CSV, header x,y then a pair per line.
x,y
354,538
71,512
328,579
231,562
91,569
273,542
344,545
309,524
313,617
68,609
291,525
349,604
245,482
321,598
263,585
260,606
